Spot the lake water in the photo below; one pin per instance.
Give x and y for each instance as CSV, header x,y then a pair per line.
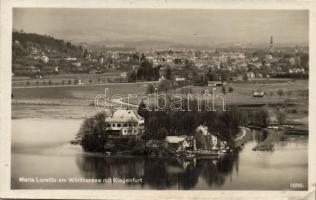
x,y
42,158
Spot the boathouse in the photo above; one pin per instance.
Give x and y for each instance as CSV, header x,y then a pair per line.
x,y
177,143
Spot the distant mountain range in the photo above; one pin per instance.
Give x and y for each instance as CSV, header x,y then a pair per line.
x,y
163,44
133,44
139,45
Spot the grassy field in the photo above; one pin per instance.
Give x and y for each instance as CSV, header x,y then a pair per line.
x,y
242,93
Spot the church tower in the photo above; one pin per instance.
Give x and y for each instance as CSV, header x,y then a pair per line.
x,y
271,44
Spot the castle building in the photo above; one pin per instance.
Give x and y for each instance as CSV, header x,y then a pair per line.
x,y
124,123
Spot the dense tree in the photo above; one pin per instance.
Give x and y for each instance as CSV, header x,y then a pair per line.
x,y
91,134
142,109
162,133
146,71
132,76
223,89
150,89
168,73
280,92
280,115
43,42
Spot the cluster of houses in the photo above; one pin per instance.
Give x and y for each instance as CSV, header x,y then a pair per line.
x,y
203,142
128,124
240,63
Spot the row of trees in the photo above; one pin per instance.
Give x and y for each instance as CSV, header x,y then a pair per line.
x,y
62,82
167,86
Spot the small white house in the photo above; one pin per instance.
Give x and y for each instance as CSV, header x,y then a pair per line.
x,y
71,59
123,75
251,75
44,59
178,79
77,64
258,94
177,143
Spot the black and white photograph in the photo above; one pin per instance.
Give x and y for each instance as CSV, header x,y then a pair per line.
x,y
152,99
159,99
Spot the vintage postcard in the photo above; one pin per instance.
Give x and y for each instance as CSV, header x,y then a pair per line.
x,y
157,100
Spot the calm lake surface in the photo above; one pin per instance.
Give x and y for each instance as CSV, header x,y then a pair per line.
x,y
41,149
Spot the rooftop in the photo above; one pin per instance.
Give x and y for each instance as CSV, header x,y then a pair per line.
x,y
124,116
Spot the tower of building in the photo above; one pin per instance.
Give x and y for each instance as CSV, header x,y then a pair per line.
x,y
271,44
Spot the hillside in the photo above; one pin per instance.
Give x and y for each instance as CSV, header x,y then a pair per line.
x,y
26,43
34,55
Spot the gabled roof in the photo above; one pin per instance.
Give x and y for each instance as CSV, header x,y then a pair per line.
x,y
124,116
174,139
203,129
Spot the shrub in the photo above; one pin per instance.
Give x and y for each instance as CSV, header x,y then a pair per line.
x,y
150,89
280,92
162,133
92,133
223,90
93,142
230,89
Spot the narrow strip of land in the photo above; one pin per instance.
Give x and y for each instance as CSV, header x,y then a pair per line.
x,y
78,85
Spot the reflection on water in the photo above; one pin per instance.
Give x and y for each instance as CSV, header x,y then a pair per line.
x,y
40,148
260,136
159,173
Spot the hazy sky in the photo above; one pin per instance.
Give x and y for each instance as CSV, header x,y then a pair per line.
x,y
182,26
